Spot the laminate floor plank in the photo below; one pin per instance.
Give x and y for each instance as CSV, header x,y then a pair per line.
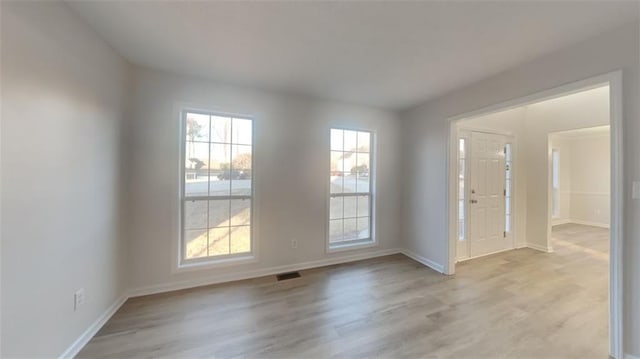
x,y
517,304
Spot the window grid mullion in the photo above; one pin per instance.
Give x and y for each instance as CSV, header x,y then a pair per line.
x,y
343,171
208,185
208,198
344,195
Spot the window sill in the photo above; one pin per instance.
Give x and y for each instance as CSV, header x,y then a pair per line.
x,y
351,245
204,264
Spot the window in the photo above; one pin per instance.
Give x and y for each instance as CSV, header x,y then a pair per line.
x,y
462,177
351,195
555,179
508,187
216,196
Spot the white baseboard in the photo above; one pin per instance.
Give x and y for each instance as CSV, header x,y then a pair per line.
x,y
426,261
79,343
83,339
539,247
629,356
167,287
557,222
589,223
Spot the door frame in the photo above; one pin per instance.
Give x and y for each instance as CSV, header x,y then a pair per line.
x,y
614,81
465,131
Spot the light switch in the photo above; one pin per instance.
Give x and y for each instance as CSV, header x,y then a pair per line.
x,y
635,192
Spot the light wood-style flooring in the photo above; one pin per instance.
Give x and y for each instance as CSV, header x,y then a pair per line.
x,y
517,304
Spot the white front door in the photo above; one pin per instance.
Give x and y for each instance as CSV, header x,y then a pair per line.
x,y
486,195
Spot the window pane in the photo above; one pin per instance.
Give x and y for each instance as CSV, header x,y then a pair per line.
x,y
362,163
363,206
195,243
335,208
195,215
240,212
350,207
363,182
196,171
241,183
508,223
349,182
461,231
337,140
241,157
242,131
508,207
350,141
508,146
335,230
218,213
349,216
363,228
349,162
350,229
461,209
197,127
337,174
241,170
218,241
218,163
462,148
220,170
336,182
337,162
220,129
364,141
240,239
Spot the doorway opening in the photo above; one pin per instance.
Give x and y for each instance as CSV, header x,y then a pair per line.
x,y
522,190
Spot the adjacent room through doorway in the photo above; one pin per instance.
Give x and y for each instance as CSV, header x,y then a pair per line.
x,y
536,178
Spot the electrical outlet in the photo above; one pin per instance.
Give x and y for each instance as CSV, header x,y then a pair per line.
x,y
78,299
294,243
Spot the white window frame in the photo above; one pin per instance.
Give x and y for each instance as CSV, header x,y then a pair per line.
x,y
463,137
555,183
235,258
363,242
509,162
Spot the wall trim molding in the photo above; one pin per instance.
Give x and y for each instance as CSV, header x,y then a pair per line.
x,y
540,248
557,222
589,223
217,279
579,221
86,336
424,260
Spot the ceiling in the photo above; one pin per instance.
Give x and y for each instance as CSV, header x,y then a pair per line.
x,y
385,54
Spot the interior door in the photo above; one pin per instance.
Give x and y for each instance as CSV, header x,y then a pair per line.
x,y
486,204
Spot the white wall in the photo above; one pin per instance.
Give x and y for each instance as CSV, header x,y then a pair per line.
x,y
425,135
291,168
581,110
63,95
589,177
